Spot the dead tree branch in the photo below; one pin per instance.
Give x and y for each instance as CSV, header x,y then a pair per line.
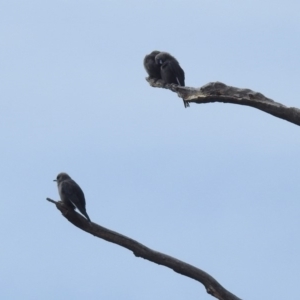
x,y
212,286
220,92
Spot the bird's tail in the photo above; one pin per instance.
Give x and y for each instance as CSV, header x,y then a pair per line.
x,y
86,215
83,211
185,103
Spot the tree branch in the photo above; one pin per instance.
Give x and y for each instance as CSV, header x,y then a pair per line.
x,y
220,92
212,286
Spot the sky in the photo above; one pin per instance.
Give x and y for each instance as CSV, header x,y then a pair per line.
x,y
214,185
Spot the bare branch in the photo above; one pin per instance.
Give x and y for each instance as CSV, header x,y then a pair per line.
x,y
212,286
220,92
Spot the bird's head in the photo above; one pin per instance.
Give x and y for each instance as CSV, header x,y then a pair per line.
x,y
162,57
61,177
159,59
154,53
151,57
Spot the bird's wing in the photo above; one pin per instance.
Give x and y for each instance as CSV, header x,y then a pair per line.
x,y
177,71
73,192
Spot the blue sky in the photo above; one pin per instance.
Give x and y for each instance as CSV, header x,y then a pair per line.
x,y
215,185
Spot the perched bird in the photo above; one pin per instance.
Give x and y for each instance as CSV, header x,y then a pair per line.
x,y
170,70
70,193
152,68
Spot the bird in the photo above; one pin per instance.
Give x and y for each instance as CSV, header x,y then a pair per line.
x,y
170,70
152,68
70,193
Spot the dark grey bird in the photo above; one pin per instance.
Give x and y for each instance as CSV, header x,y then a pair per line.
x,y
152,68
170,70
70,193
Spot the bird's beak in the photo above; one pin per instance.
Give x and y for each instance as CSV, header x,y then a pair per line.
x,y
55,180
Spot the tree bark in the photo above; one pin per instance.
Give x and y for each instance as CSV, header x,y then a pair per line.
x,y
212,286
220,92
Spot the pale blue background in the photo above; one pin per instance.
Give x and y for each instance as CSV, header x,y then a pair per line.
x,y
215,185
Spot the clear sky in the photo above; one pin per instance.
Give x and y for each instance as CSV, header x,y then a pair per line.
x,y
215,185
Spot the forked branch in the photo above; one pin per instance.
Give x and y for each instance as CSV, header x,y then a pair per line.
x,y
212,286
220,92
